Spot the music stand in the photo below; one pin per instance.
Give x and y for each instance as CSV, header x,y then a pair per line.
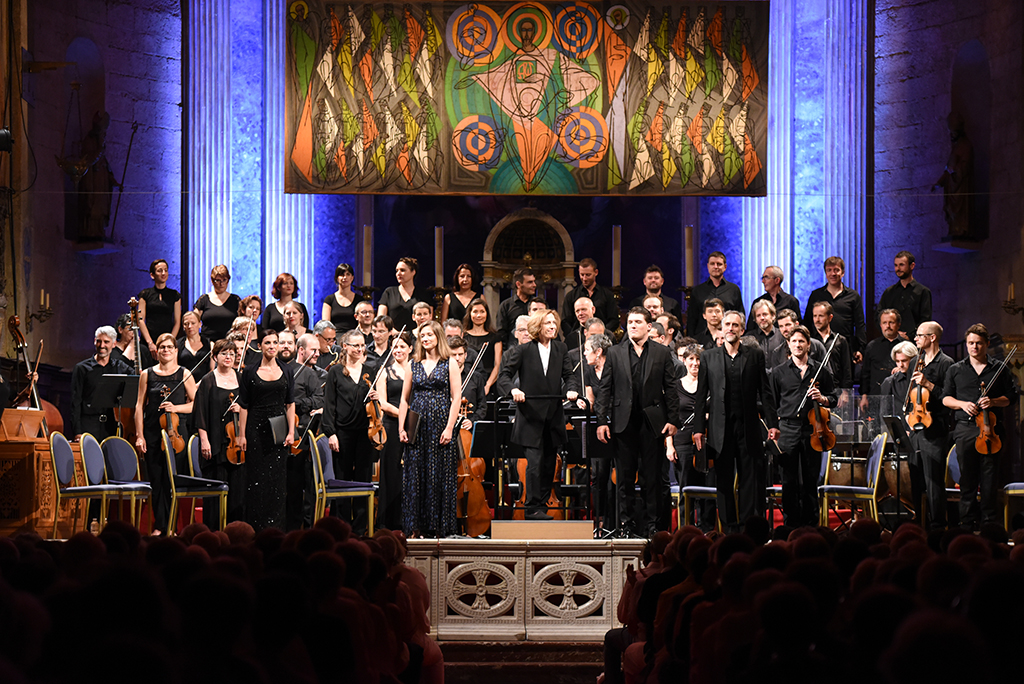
x,y
112,389
894,425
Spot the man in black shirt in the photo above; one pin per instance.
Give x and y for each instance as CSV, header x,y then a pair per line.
x,y
731,382
878,363
97,421
772,281
932,443
603,299
801,464
583,311
712,312
963,394
308,393
846,307
525,283
715,287
839,361
912,299
654,281
787,320
767,335
327,338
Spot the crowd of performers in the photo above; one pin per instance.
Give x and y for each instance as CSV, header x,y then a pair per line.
x,y
677,398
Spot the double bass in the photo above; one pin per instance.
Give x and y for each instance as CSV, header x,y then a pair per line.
x,y
471,502
29,395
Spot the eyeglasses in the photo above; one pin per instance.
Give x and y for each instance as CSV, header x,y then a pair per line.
x,y
924,334
219,280
330,339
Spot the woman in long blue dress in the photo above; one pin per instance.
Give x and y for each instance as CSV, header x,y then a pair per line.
x,y
433,389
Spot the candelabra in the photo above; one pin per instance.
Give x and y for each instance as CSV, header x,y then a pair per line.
x,y
1011,307
42,315
439,293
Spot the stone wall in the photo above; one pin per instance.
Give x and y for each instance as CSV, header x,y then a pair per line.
x,y
139,49
915,49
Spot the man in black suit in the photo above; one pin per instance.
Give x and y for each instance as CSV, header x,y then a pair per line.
x,y
542,365
731,382
637,402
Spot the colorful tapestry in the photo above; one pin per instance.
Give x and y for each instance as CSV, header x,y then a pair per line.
x,y
570,98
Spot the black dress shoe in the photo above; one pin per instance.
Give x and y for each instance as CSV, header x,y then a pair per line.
x,y
538,515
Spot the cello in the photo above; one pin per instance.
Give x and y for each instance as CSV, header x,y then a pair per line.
x,y
470,501
29,395
987,441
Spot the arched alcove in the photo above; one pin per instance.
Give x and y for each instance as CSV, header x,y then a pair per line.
x,y
971,98
528,237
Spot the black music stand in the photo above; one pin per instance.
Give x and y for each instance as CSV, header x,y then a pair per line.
x,y
114,390
895,426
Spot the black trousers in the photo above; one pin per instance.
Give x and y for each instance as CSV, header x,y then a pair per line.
x,y
928,471
978,476
390,495
639,450
540,473
801,466
154,469
734,462
353,462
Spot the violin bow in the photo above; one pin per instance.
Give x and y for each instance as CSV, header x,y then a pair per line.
x,y
824,362
999,370
384,361
245,345
193,370
910,386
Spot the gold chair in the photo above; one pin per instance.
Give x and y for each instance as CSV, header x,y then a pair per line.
x,y
868,495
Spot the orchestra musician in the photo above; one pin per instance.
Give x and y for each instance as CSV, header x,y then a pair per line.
x,y
773,292
309,403
637,406
689,470
251,308
380,338
284,291
801,464
524,280
266,391
455,305
152,404
583,311
713,310
715,287
159,311
389,389
602,301
85,417
340,307
595,350
878,361
846,307
543,367
293,319
908,296
193,348
397,301
839,361
962,393
893,392
364,320
654,280
214,408
326,337
786,321
732,382
932,443
479,330
124,348
472,386
346,393
765,331
218,308
421,313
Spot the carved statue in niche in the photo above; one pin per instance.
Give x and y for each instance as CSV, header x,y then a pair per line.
x,y
93,180
955,180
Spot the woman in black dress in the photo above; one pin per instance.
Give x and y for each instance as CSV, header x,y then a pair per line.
x,y
215,407
397,301
389,389
346,394
193,348
166,388
159,311
680,449
219,308
284,290
264,393
463,292
479,329
340,307
251,307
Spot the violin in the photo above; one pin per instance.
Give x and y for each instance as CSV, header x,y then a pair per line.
x,y
378,436
233,429
471,503
822,437
987,441
915,408
170,423
29,395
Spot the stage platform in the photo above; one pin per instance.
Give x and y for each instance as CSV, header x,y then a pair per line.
x,y
524,589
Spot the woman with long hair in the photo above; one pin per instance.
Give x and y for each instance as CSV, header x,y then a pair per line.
x,y
480,329
264,393
164,389
389,389
464,285
432,389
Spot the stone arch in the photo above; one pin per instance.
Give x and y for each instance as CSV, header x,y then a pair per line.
x,y
528,237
